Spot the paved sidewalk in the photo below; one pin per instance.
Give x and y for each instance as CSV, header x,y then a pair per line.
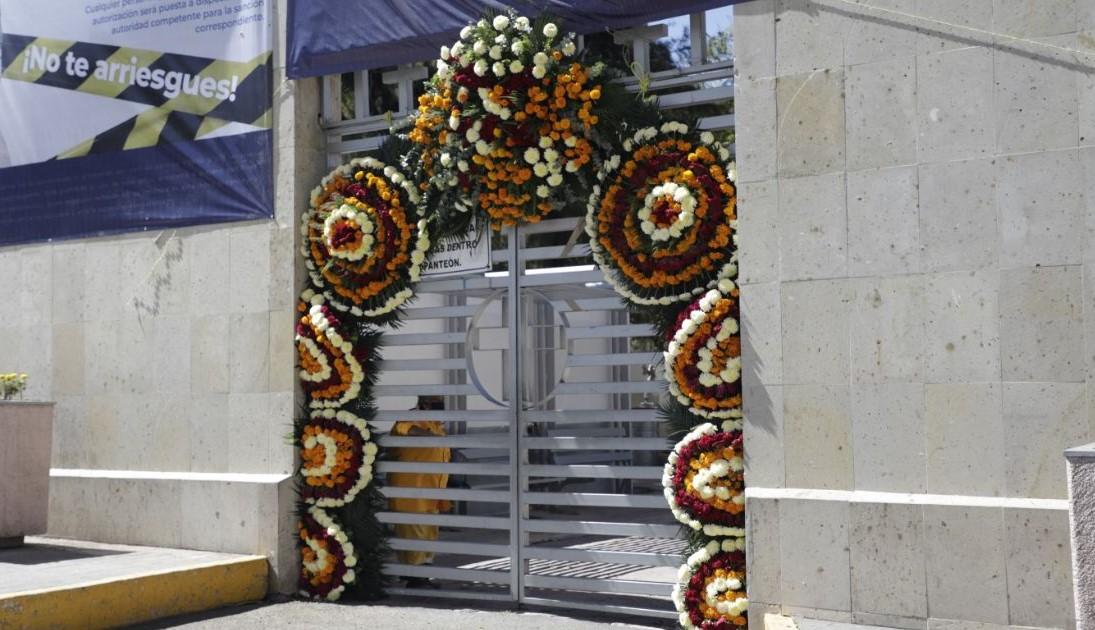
x,y
393,614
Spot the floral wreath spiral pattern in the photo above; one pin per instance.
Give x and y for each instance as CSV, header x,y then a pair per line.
x,y
662,220
704,480
330,369
703,360
326,556
336,457
505,122
711,586
364,240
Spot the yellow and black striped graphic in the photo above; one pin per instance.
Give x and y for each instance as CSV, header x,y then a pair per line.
x,y
190,96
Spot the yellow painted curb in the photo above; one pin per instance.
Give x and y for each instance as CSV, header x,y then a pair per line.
x,y
136,598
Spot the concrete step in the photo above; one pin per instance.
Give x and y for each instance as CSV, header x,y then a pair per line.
x,y
56,583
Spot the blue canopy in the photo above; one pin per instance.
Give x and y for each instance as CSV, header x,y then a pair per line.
x,y
335,36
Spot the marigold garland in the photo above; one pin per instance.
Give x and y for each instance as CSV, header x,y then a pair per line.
x,y
326,556
662,221
506,120
363,239
704,480
337,457
703,360
710,593
330,368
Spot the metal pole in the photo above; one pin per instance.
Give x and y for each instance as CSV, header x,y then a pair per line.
x,y
518,483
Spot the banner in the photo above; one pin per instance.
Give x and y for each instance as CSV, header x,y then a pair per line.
x,y
459,255
121,115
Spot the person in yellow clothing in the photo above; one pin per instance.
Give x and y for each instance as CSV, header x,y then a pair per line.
x,y
419,480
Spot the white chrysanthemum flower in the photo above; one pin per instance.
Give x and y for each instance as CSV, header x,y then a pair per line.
x,y
495,52
532,155
465,33
479,47
569,48
539,72
523,24
499,69
500,22
445,53
540,169
480,68
550,30
540,59
516,66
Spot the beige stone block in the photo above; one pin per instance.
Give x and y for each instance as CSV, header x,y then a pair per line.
x,y
1037,98
249,265
877,36
282,351
250,432
172,353
755,128
1035,18
965,439
762,343
210,288
283,452
10,284
209,349
811,131
817,436
762,552
955,96
69,432
889,621
814,560
964,15
1041,317
1041,420
816,318
813,231
103,431
36,270
764,462
1041,204
888,448
68,285
887,559
755,39
248,353
283,259
807,37
881,113
883,222
1039,567
208,425
758,230
102,270
965,563
962,340
958,226
68,359
888,324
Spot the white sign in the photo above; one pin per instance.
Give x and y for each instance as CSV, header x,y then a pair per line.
x,y
461,254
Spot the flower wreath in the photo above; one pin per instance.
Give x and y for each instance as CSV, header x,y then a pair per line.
x,y
704,480
662,220
331,369
505,122
326,555
336,457
703,360
364,240
710,589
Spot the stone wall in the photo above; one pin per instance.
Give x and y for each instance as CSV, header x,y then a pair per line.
x,y
170,358
916,207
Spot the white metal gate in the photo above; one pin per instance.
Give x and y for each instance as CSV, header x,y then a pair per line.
x,y
558,497
556,492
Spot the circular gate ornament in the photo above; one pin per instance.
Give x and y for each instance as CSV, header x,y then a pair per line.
x,y
326,556
710,589
364,240
703,360
662,220
331,369
336,457
704,480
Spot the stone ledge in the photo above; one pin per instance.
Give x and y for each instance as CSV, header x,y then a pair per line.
x,y
230,513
